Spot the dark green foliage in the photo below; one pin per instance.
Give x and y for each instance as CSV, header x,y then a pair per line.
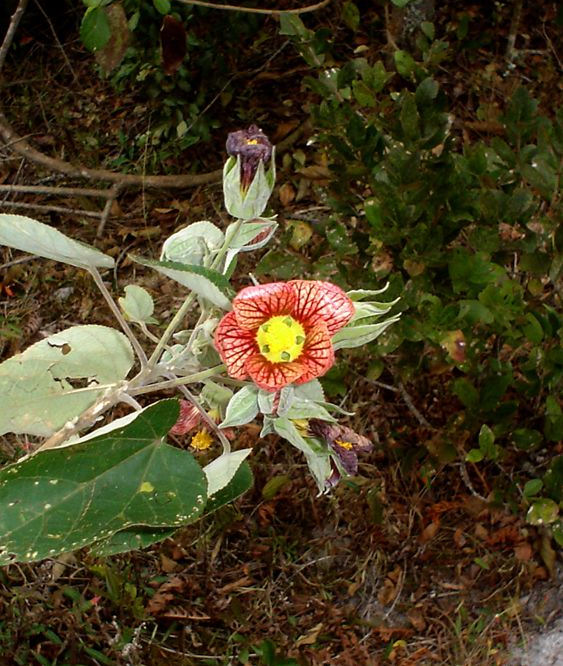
x,y
469,236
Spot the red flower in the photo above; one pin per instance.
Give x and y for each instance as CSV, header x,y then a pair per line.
x,y
280,333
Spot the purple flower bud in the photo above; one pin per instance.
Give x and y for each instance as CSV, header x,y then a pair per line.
x,y
254,147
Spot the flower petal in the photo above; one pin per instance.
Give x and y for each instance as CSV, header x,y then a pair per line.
x,y
272,376
235,345
188,419
321,301
318,353
255,305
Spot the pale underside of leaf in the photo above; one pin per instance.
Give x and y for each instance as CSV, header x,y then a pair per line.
x,y
24,233
38,388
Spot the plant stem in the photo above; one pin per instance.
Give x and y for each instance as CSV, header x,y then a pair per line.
x,y
170,329
117,313
179,381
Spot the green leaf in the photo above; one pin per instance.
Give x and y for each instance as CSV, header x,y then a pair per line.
x,y
474,455
526,438
532,487
410,120
38,388
466,392
138,304
162,6
351,15
239,484
428,29
134,538
94,29
222,470
251,235
28,235
274,485
205,282
363,93
361,294
317,456
404,63
426,92
242,408
487,442
306,409
216,395
356,336
533,329
309,391
542,512
400,3
67,498
292,25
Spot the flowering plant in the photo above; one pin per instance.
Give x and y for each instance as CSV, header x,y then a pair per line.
x,y
119,484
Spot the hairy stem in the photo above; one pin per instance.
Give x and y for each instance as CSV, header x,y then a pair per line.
x,y
139,351
178,381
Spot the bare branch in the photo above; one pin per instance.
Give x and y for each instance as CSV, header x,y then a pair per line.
x,y
9,38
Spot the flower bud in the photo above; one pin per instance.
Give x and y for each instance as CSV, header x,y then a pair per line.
x,y
249,174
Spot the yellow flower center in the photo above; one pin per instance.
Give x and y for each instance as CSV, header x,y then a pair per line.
x,y
345,445
252,142
281,339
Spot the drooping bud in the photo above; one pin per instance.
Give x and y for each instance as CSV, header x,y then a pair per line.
x,y
344,443
249,173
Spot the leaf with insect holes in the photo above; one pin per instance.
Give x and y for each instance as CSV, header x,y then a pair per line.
x,y
38,388
24,233
63,499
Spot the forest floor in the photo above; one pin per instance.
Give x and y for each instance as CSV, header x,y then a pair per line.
x,y
392,567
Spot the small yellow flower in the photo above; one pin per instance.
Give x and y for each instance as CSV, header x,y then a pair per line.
x,y
201,440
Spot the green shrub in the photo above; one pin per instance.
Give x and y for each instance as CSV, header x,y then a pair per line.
x,y
469,236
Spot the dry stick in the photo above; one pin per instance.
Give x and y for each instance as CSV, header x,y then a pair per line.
x,y
9,38
23,148
514,24
115,190
54,191
251,10
61,47
15,262
51,209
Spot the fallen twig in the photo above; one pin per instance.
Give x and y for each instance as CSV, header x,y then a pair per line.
x,y
9,37
253,10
